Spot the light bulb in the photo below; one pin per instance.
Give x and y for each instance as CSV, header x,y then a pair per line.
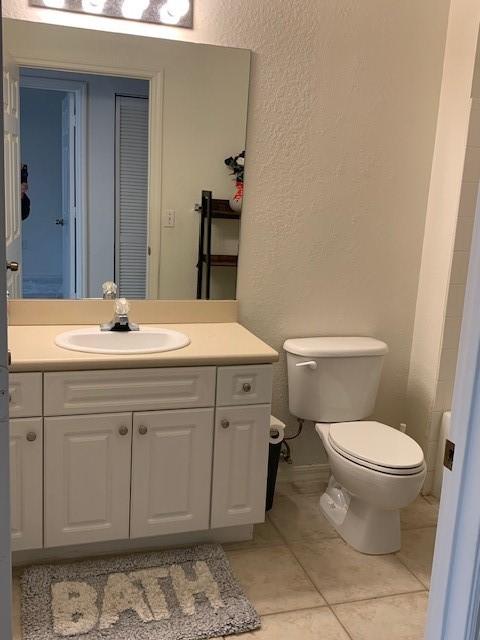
x,y
134,9
93,6
174,10
54,4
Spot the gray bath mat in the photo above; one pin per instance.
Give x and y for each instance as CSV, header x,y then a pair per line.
x,y
185,594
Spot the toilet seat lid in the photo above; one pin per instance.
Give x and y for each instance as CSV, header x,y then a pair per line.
x,y
377,444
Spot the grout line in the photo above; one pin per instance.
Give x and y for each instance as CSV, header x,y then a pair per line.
x,y
287,544
425,586
278,613
416,528
340,622
382,597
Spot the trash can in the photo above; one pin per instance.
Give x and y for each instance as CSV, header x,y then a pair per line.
x,y
277,433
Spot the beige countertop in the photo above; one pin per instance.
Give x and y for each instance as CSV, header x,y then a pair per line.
x,y
33,348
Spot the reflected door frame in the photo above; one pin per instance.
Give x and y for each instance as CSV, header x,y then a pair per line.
x,y
79,62
77,222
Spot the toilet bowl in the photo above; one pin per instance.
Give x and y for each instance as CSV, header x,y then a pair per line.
x,y
376,469
367,489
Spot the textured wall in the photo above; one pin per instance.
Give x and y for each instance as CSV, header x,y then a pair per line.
x,y
341,128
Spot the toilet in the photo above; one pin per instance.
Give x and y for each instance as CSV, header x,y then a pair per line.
x,y
376,469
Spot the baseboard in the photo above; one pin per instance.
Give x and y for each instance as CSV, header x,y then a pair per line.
x,y
297,473
224,535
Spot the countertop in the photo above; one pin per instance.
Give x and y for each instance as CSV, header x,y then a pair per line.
x,y
33,348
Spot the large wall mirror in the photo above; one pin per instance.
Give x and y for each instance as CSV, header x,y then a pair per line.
x,y
124,162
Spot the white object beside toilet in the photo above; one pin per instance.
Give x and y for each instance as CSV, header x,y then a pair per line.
x,y
376,469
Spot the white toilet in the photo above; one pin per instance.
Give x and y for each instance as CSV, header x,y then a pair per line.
x,y
376,469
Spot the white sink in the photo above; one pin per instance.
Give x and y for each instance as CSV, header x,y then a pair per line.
x,y
147,340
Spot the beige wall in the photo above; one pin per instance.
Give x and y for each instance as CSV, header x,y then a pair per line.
x,y
455,173
342,117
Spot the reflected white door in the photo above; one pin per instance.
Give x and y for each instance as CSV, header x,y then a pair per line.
x,y
67,221
13,221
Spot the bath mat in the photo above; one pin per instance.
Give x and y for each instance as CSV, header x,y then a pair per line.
x,y
184,594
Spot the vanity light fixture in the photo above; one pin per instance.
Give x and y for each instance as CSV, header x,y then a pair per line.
x,y
177,13
93,6
134,9
54,4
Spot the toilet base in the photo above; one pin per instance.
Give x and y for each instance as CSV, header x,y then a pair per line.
x,y
367,529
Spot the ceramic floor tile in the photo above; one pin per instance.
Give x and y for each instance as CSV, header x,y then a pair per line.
x,y
273,580
342,574
432,500
283,489
417,552
419,514
264,535
404,617
298,518
16,599
309,487
312,624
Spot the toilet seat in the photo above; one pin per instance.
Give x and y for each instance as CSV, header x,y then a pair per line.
x,y
377,446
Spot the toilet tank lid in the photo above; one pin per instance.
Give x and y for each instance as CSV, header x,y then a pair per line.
x,y
335,347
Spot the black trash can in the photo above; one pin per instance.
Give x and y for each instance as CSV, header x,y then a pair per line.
x,y
276,432
273,460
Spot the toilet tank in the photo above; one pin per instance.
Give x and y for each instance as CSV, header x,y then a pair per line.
x,y
333,379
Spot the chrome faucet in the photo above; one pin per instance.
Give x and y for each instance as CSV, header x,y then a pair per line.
x,y
120,321
109,290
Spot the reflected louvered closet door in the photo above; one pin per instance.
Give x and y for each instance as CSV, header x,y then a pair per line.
x,y
131,177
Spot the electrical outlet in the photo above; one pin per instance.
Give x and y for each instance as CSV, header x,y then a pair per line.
x,y
169,218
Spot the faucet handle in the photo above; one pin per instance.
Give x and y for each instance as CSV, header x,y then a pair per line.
x,y
122,307
109,290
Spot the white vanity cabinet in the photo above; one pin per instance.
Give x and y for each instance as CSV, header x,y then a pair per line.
x,y
240,465
87,478
171,472
26,460
26,477
136,453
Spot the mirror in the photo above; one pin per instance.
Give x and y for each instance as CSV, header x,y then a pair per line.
x,y
124,162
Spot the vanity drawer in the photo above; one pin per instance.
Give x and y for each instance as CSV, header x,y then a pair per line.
x,y
25,395
85,392
244,385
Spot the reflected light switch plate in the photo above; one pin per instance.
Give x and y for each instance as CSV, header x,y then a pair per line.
x,y
169,218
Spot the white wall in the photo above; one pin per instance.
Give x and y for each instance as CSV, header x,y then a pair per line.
x,y
455,174
342,116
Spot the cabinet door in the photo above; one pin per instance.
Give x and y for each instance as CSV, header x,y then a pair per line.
x,y
26,474
87,478
171,471
240,465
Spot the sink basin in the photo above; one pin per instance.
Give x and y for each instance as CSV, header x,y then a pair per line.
x,y
147,340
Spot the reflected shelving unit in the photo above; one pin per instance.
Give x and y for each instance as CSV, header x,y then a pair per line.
x,y
211,209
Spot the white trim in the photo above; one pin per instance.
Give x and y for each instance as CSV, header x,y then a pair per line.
x,y
299,473
155,152
155,161
455,592
79,89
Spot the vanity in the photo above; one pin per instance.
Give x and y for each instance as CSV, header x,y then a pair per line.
x,y
145,449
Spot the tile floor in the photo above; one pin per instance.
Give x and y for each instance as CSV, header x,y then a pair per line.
x,y
307,584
